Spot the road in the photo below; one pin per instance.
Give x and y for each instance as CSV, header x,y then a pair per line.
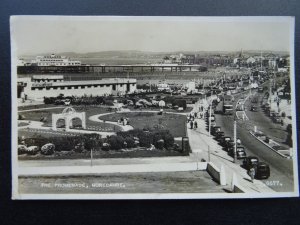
x,y
281,178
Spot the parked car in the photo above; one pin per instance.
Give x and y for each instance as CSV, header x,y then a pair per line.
x,y
254,108
224,140
219,135
240,152
276,118
229,145
215,129
249,162
262,171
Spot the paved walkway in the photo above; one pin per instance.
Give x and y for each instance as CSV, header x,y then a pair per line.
x,y
95,118
39,127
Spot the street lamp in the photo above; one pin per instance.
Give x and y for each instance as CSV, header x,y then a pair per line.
x,y
234,138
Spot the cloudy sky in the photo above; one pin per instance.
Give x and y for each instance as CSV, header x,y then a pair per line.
x,y
36,35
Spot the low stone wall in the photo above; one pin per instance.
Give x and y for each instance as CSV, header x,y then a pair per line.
x,y
216,173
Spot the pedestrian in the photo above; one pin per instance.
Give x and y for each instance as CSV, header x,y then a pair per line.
x,y
191,124
195,114
238,141
195,124
252,173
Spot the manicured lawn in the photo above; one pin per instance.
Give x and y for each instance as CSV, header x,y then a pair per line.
x,y
175,123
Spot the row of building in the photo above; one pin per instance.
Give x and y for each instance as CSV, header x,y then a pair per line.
x,y
39,86
241,60
50,60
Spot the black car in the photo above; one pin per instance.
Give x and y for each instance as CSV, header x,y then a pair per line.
x,y
215,129
254,108
262,171
249,162
219,135
229,145
224,140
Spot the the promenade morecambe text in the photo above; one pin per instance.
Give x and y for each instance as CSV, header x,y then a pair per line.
x,y
83,185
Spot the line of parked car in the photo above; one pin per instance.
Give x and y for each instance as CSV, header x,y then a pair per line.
x,y
262,170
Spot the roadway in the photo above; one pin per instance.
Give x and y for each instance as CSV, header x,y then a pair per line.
x,y
281,178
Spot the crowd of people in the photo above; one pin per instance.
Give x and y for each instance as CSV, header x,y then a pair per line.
x,y
192,116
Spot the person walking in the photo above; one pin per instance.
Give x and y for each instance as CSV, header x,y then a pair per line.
x,y
191,124
252,173
195,124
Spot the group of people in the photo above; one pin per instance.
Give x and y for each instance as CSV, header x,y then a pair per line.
x,y
195,115
123,121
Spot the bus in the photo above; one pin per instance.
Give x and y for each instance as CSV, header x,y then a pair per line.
x,y
227,104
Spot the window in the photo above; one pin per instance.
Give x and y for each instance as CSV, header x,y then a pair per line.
x,y
69,87
114,87
76,87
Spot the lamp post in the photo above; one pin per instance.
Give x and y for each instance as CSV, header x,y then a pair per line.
x,y
209,121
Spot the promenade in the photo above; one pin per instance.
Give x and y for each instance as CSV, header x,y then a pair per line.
x,y
204,147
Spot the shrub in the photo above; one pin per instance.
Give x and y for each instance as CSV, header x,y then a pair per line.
x,y
168,140
177,147
116,142
130,142
32,150
79,147
180,103
22,149
105,146
48,149
146,139
160,144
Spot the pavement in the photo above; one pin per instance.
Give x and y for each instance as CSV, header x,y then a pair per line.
x,y
284,106
96,118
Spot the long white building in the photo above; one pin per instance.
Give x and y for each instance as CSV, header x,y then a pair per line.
x,y
54,60
38,87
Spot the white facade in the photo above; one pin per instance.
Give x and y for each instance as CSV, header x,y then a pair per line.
x,y
36,90
251,60
55,60
162,87
191,86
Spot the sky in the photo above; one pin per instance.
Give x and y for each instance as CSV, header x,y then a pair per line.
x,y
41,34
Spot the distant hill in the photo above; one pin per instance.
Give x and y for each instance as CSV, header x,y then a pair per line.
x,y
148,54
